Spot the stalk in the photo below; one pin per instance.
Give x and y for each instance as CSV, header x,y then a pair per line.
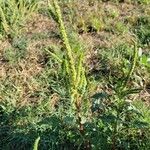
x,y
135,55
35,147
65,40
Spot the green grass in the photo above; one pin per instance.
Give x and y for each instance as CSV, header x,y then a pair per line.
x,y
14,14
71,77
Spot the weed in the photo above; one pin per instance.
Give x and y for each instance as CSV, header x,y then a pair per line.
x,y
74,73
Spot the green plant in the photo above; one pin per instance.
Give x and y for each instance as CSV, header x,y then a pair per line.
x,y
120,27
118,115
97,24
142,29
17,51
120,96
144,1
144,59
74,73
13,14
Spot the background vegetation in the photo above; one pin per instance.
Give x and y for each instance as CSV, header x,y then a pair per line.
x,y
75,74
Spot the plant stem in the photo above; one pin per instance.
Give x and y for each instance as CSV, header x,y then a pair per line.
x,y
132,67
65,40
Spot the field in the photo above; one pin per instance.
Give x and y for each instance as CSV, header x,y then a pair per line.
x,y
74,74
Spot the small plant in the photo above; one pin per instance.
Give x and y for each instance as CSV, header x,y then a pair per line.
x,y
97,24
142,30
121,105
117,114
144,59
120,27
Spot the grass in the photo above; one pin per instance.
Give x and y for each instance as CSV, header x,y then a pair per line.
x,y
71,80
21,10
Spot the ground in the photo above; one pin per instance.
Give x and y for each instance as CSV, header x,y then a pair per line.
x,y
106,31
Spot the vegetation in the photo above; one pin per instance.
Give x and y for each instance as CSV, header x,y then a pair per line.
x,y
13,14
74,75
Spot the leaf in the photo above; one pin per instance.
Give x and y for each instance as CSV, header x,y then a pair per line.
x,y
83,120
36,144
131,91
52,12
69,120
144,59
54,55
3,107
140,124
140,52
101,95
109,118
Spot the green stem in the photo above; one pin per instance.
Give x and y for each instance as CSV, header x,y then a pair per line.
x,y
65,40
132,67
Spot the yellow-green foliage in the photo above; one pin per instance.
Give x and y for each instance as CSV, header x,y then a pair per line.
x,y
36,144
74,71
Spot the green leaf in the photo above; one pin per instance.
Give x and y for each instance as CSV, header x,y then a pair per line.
x,y
100,95
36,144
144,59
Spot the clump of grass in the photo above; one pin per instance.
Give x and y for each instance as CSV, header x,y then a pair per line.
x,y
13,14
17,51
142,29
